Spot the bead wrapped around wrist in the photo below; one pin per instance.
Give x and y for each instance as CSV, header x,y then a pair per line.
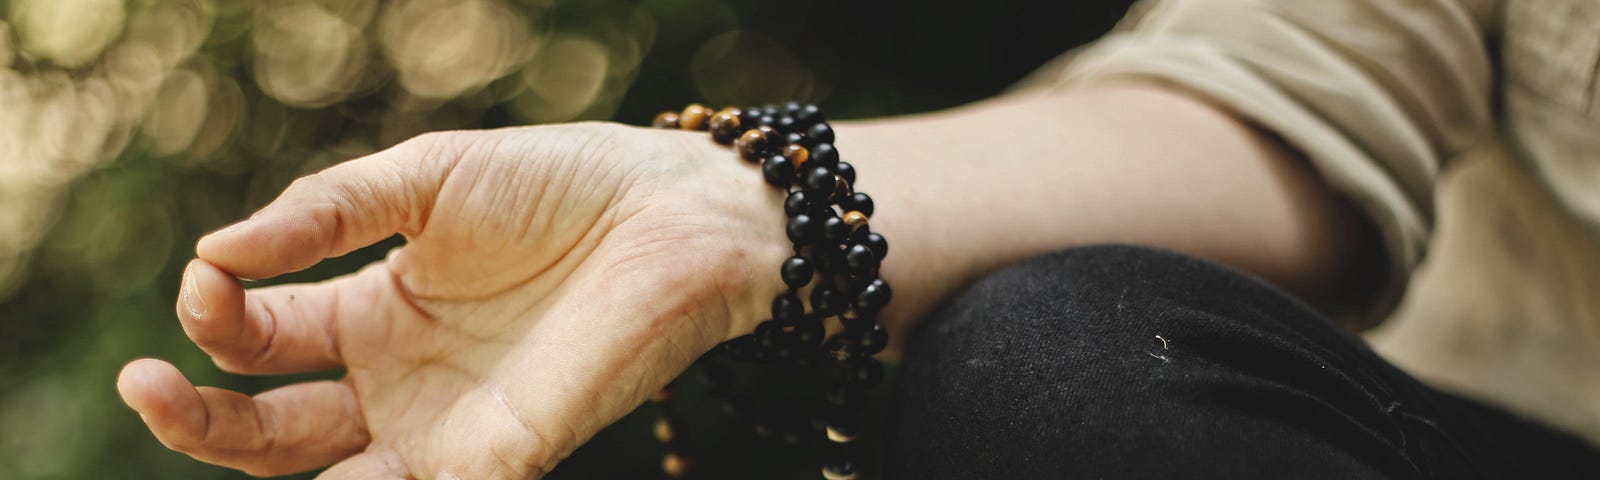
x,y
836,255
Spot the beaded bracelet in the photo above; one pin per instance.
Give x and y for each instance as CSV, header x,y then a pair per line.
x,y
833,245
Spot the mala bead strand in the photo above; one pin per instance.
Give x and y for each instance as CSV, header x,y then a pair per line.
x,y
668,431
836,255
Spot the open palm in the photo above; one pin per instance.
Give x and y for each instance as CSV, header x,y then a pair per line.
x,y
553,278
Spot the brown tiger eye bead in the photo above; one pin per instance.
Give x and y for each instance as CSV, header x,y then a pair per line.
x,y
694,117
724,127
665,120
856,220
752,145
674,465
736,111
797,155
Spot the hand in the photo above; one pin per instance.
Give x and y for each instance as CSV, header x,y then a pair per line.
x,y
553,278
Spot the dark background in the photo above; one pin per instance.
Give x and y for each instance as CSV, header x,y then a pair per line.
x,y
88,277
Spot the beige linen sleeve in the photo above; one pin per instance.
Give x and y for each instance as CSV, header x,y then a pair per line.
x,y
1377,94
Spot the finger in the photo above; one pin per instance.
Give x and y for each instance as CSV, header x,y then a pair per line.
x,y
369,465
282,329
286,430
335,211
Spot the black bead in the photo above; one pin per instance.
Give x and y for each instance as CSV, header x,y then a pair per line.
x,y
860,322
872,339
768,333
819,180
858,201
828,259
796,203
769,109
839,468
787,308
874,296
809,332
827,301
803,229
791,107
797,271
860,260
824,153
749,117
835,231
821,133
866,373
795,138
778,171
877,243
809,115
767,121
786,123
848,171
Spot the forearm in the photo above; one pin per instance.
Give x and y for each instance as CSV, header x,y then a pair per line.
x,y
967,191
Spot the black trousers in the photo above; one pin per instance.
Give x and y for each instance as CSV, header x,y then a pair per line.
x,y
1125,362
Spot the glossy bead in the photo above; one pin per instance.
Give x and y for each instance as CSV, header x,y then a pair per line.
x,y
694,117
835,230
859,202
665,120
803,229
841,188
786,123
725,127
846,170
837,435
819,180
838,350
676,466
825,300
878,244
770,121
839,471
872,339
797,155
769,109
796,138
752,145
855,219
809,115
825,154
790,107
797,271
874,296
778,171
749,115
797,202
860,260
820,133
787,308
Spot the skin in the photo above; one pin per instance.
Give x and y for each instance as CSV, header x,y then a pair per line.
x,y
555,276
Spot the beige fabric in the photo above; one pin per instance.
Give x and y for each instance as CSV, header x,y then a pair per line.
x,y
1381,95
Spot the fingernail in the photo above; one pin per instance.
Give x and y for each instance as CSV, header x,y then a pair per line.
x,y
190,293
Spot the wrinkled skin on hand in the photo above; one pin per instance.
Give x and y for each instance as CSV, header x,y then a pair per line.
x,y
552,279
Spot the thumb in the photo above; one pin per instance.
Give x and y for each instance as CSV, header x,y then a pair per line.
x,y
338,210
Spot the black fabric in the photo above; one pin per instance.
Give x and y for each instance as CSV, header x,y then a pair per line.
x,y
1052,369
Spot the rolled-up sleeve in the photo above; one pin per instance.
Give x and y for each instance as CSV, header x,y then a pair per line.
x,y
1377,94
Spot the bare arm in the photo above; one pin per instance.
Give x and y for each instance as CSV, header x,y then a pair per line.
x,y
966,191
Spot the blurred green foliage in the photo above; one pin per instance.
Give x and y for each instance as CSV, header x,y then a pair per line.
x,y
132,127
